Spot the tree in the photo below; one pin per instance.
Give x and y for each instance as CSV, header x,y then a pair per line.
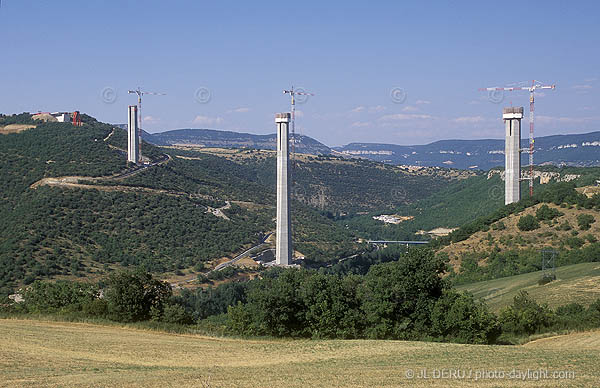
x,y
397,297
131,295
274,306
528,223
585,221
525,315
49,297
546,213
458,317
332,307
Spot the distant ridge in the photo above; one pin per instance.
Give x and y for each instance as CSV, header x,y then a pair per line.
x,y
229,139
582,150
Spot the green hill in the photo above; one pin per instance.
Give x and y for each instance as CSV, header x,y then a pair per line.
x,y
578,283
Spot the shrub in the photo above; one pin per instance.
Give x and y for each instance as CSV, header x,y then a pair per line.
x,y
174,313
527,223
499,226
565,226
96,308
570,310
574,242
546,279
457,317
525,316
585,221
546,213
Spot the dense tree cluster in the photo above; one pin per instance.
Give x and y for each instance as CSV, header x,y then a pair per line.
x,y
127,296
403,299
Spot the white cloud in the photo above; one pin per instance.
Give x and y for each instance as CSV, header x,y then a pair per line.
x,y
469,119
376,109
566,120
405,116
582,87
239,110
421,102
593,79
370,109
360,124
205,120
151,119
410,108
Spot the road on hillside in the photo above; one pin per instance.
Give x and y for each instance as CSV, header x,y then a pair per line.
x,y
165,158
241,255
226,264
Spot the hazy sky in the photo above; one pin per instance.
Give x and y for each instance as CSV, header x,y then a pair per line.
x,y
85,55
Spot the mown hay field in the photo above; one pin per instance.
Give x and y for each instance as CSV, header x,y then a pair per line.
x,y
37,353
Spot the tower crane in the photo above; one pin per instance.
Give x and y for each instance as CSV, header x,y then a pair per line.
x,y
293,93
535,85
140,93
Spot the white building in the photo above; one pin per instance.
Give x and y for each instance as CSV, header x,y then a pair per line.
x,y
62,117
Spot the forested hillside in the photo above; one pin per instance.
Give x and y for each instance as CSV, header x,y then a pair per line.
x,y
93,217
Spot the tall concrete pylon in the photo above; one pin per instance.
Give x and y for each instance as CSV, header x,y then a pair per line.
x,y
132,136
283,248
512,154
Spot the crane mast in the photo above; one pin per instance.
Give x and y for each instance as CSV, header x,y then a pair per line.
x,y
140,93
535,85
293,93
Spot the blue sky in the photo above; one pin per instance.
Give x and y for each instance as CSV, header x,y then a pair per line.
x,y
85,55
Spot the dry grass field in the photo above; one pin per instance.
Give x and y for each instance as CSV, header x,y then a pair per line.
x,y
57,354
15,128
